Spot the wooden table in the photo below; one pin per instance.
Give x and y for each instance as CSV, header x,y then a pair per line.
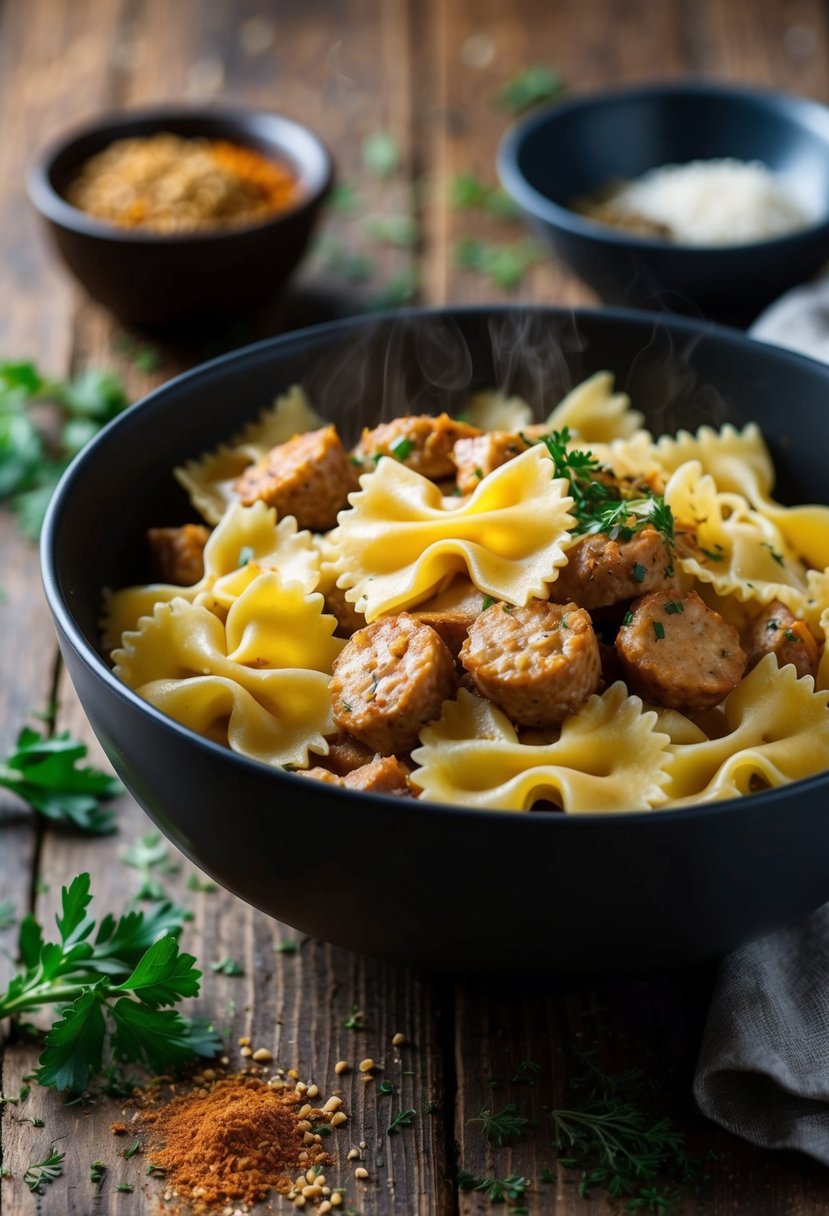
x,y
426,72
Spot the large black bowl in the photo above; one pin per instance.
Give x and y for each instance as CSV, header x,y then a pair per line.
x,y
431,884
555,156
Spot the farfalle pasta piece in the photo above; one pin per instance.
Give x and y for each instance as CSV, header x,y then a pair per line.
x,y
738,551
240,683
775,729
210,480
610,756
493,411
247,541
594,413
740,463
402,538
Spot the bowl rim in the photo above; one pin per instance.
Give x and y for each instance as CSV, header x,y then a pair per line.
x,y
316,174
587,820
804,111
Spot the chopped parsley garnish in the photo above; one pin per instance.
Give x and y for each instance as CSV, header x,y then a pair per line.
x,y
401,448
712,557
346,707
134,1148
387,1087
673,607
778,557
356,1021
773,624
790,636
245,556
487,602
597,502
639,571
659,630
627,619
97,1169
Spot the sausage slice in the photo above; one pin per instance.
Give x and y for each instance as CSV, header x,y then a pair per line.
x,y
678,652
389,680
777,631
421,441
601,571
539,663
382,775
480,455
177,554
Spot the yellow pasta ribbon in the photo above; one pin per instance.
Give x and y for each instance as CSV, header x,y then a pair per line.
x,y
594,413
246,535
402,538
610,756
774,726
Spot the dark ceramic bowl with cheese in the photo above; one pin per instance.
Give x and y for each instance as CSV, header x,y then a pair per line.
x,y
561,154
445,886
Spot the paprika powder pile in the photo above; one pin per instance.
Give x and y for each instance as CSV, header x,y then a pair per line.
x,y
232,1142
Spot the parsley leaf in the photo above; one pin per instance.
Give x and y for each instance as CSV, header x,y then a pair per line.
x,y
501,1126
381,155
111,979
530,87
496,1189
45,773
505,265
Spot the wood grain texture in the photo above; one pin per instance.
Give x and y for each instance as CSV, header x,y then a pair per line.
x,y
426,73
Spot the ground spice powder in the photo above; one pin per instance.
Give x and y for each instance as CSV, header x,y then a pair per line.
x,y
231,1142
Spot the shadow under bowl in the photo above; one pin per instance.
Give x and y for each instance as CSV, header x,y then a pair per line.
x,y
444,886
158,281
564,152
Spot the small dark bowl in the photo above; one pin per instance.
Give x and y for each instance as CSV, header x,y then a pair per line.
x,y
154,280
445,886
562,153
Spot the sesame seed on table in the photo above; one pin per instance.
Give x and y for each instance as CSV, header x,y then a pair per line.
x,y
364,1041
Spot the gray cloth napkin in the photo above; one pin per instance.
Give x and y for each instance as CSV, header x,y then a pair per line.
x,y
763,1068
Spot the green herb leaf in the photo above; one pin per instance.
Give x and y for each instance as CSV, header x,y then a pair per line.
x,y
530,87
246,554
204,885
401,231
8,914
497,1190
487,602
401,448
227,966
501,1126
505,265
673,607
43,1172
45,773
403,1118
97,1169
659,630
381,155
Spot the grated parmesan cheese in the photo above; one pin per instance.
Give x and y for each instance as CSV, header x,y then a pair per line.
x,y
714,202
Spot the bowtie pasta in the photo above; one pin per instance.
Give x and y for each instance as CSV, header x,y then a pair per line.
x,y
491,611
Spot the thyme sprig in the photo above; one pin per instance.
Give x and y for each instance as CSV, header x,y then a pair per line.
x,y
501,1126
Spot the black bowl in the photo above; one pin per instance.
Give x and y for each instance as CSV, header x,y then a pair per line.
x,y
431,884
155,280
562,153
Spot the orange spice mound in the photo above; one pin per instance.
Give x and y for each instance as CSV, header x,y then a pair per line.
x,y
233,1141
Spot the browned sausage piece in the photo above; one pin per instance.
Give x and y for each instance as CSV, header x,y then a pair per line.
x,y
422,442
177,554
678,652
382,775
309,477
345,753
452,611
777,631
390,680
475,458
349,620
539,663
601,571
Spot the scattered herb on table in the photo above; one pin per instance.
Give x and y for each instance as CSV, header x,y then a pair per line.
x,y
45,773
497,1190
617,1144
468,193
355,1021
150,855
501,1126
227,966
505,265
44,1172
386,1088
403,1118
113,982
125,1188
401,231
528,1071
203,885
134,1148
43,424
381,154
530,87
345,199
97,1169
400,289
288,947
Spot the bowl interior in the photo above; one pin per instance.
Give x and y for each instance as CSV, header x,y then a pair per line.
x,y
586,144
679,373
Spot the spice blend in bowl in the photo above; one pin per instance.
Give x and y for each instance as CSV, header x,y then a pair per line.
x,y
171,217
167,183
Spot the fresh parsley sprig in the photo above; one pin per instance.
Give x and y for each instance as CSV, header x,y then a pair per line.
x,y
43,1172
114,982
598,505
501,1126
46,773
497,1190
